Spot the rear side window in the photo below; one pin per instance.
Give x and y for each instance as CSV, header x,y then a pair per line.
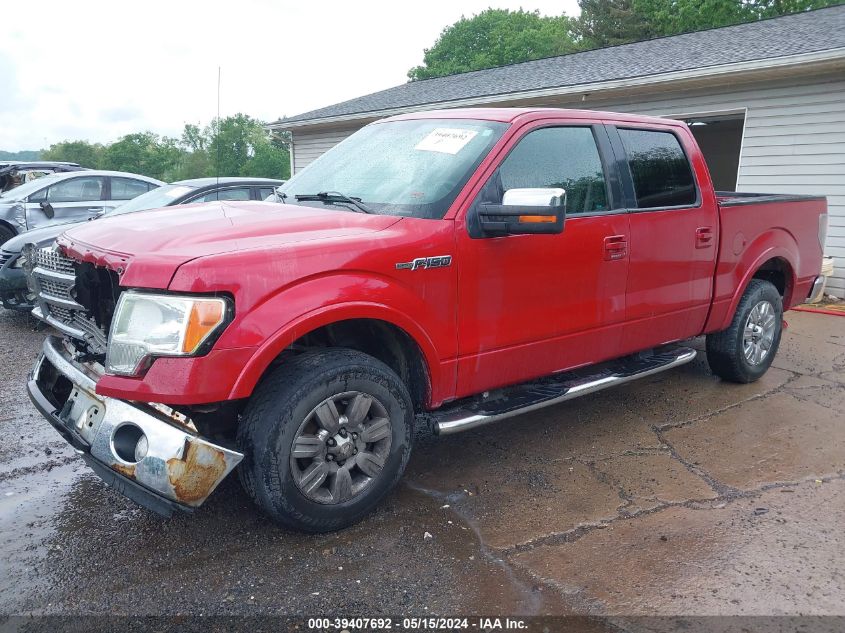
x,y
127,188
660,169
239,193
565,157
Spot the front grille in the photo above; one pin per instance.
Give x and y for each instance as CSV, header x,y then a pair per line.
x,y
76,298
55,288
51,259
4,257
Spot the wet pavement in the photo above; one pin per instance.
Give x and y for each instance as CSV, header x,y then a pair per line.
x,y
677,494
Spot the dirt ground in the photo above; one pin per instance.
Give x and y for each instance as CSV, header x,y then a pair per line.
x,y
674,495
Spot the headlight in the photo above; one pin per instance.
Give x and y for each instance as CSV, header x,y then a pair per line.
x,y
147,325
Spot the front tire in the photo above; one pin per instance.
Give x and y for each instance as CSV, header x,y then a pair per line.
x,y
325,437
744,352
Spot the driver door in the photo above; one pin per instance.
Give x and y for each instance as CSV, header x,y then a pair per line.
x,y
531,305
72,200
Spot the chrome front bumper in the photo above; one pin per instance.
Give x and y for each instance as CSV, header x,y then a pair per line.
x,y
136,448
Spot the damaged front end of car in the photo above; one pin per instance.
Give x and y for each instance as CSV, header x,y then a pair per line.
x,y
149,452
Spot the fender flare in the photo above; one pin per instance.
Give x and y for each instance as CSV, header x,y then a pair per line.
x,y
286,334
770,252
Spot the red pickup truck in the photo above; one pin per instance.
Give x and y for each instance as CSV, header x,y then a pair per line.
x,y
445,269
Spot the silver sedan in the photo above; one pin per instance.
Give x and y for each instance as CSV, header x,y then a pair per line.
x,y
67,197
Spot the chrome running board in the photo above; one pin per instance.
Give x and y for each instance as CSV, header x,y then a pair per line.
x,y
510,401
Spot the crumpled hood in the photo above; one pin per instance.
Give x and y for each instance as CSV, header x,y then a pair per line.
x,y
158,242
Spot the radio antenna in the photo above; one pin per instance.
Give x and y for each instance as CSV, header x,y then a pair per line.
x,y
218,130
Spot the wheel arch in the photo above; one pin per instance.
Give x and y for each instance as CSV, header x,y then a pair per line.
x,y
374,329
775,263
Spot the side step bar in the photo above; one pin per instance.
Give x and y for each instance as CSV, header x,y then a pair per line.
x,y
510,401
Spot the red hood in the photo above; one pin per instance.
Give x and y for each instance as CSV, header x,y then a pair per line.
x,y
158,242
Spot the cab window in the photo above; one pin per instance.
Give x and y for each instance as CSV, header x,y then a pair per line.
x,y
557,157
661,171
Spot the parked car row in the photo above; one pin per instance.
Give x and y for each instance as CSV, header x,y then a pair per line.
x,y
16,173
112,189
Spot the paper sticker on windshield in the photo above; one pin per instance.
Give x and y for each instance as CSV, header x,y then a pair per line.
x,y
446,140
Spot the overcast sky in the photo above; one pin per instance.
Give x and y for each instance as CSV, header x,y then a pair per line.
x,y
96,70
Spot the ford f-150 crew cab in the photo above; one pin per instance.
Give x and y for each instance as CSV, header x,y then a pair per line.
x,y
444,268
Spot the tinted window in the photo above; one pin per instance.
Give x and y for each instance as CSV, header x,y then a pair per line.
x,y
240,193
565,157
661,171
127,188
76,190
265,192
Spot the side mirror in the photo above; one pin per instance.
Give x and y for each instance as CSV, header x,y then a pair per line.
x,y
48,210
525,211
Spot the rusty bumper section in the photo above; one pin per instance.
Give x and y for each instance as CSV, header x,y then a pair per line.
x,y
155,462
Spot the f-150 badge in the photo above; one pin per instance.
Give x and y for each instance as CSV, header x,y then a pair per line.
x,y
441,261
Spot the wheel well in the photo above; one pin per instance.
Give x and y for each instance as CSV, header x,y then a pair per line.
x,y
5,224
778,272
379,339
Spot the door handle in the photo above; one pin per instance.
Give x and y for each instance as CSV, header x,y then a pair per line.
x,y
703,237
615,247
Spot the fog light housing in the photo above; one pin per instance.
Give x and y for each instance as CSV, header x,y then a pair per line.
x,y
129,444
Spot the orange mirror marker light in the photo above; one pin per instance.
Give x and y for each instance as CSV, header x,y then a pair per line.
x,y
532,219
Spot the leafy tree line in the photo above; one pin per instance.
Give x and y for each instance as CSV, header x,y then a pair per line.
x,y
233,146
22,155
496,37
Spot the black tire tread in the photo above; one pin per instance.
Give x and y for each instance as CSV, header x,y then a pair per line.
x,y
723,353
5,234
288,383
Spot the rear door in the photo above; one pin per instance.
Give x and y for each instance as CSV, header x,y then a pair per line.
x,y
673,234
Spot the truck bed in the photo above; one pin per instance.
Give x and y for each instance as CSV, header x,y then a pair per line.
x,y
765,226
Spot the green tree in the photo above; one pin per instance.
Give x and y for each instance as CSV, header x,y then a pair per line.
x,y
495,37
611,22
82,152
239,145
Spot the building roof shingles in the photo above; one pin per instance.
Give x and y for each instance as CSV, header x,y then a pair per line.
x,y
809,32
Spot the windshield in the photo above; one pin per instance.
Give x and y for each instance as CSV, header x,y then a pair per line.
x,y
411,168
154,199
27,189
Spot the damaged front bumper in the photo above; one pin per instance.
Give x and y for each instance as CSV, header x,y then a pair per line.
x,y
135,448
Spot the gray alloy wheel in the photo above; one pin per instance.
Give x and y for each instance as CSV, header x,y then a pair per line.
x,y
341,447
326,436
759,332
745,350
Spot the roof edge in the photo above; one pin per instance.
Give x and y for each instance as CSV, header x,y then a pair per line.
x,y
769,63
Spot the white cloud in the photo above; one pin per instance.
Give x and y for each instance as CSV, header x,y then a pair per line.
x,y
100,69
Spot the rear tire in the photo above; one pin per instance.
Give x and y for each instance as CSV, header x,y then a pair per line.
x,y
325,437
743,352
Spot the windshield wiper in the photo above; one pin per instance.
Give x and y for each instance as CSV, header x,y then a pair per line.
x,y
330,197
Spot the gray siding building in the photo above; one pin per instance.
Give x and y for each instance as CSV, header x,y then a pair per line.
x,y
765,100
